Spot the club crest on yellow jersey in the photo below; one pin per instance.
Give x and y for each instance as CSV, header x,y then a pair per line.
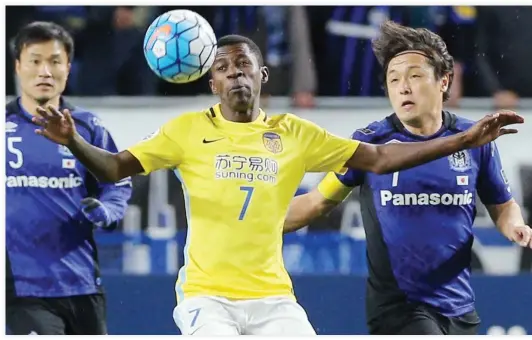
x,y
272,142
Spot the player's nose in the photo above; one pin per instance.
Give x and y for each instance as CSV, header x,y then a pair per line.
x,y
404,88
234,72
44,71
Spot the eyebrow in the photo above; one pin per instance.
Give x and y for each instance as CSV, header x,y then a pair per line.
x,y
219,57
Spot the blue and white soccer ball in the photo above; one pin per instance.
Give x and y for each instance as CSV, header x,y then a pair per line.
x,y
180,46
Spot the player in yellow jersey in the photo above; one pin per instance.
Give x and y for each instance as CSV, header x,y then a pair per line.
x,y
240,169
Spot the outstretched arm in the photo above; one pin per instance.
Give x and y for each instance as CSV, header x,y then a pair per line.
x,y
393,157
106,166
388,158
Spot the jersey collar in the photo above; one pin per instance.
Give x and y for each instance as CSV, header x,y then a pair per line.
x,y
216,114
449,122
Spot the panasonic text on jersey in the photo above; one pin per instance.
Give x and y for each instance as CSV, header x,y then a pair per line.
x,y
388,197
44,182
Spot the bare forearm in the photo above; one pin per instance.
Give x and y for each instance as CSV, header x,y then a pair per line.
x,y
506,216
399,156
104,165
299,215
304,209
388,158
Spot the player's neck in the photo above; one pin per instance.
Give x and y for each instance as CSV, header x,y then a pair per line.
x,y
245,116
426,125
30,105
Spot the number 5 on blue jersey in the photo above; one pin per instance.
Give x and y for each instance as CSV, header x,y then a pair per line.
x,y
249,193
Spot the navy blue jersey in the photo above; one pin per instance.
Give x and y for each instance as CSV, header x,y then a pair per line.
x,y
342,35
50,246
419,221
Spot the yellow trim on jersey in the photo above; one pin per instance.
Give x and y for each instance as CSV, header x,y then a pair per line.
x,y
332,189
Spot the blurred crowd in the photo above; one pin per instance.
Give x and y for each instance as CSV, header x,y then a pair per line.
x,y
311,51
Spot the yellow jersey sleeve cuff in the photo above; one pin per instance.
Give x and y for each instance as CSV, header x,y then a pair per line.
x,y
349,151
142,158
332,189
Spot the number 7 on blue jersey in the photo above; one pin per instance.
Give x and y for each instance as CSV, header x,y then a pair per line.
x,y
249,193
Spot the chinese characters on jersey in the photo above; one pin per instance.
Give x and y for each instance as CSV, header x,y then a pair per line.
x,y
248,168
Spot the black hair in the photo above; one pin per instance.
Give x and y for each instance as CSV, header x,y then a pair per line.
x,y
394,39
235,39
42,31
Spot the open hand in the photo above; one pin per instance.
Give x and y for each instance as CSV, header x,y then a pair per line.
x,y
59,127
491,127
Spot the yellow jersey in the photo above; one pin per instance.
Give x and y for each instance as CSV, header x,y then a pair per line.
x,y
238,180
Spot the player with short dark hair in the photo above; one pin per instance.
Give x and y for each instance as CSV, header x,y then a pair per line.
x,y
240,168
419,221
53,284
234,39
396,40
42,31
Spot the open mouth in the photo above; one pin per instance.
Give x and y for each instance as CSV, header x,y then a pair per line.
x,y
407,103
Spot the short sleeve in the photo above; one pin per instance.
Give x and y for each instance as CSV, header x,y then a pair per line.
x,y
492,184
354,177
102,137
104,140
113,195
159,150
324,151
351,177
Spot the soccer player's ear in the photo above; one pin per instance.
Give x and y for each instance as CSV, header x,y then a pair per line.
x,y
213,88
265,74
17,66
445,83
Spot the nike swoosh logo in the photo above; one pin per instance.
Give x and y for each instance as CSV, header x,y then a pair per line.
x,y
205,141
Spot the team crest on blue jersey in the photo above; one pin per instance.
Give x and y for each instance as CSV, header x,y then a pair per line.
x,y
460,161
272,142
63,150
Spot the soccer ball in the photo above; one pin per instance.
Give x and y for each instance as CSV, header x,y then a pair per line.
x,y
180,46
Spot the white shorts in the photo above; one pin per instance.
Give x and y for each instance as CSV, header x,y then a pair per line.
x,y
208,316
